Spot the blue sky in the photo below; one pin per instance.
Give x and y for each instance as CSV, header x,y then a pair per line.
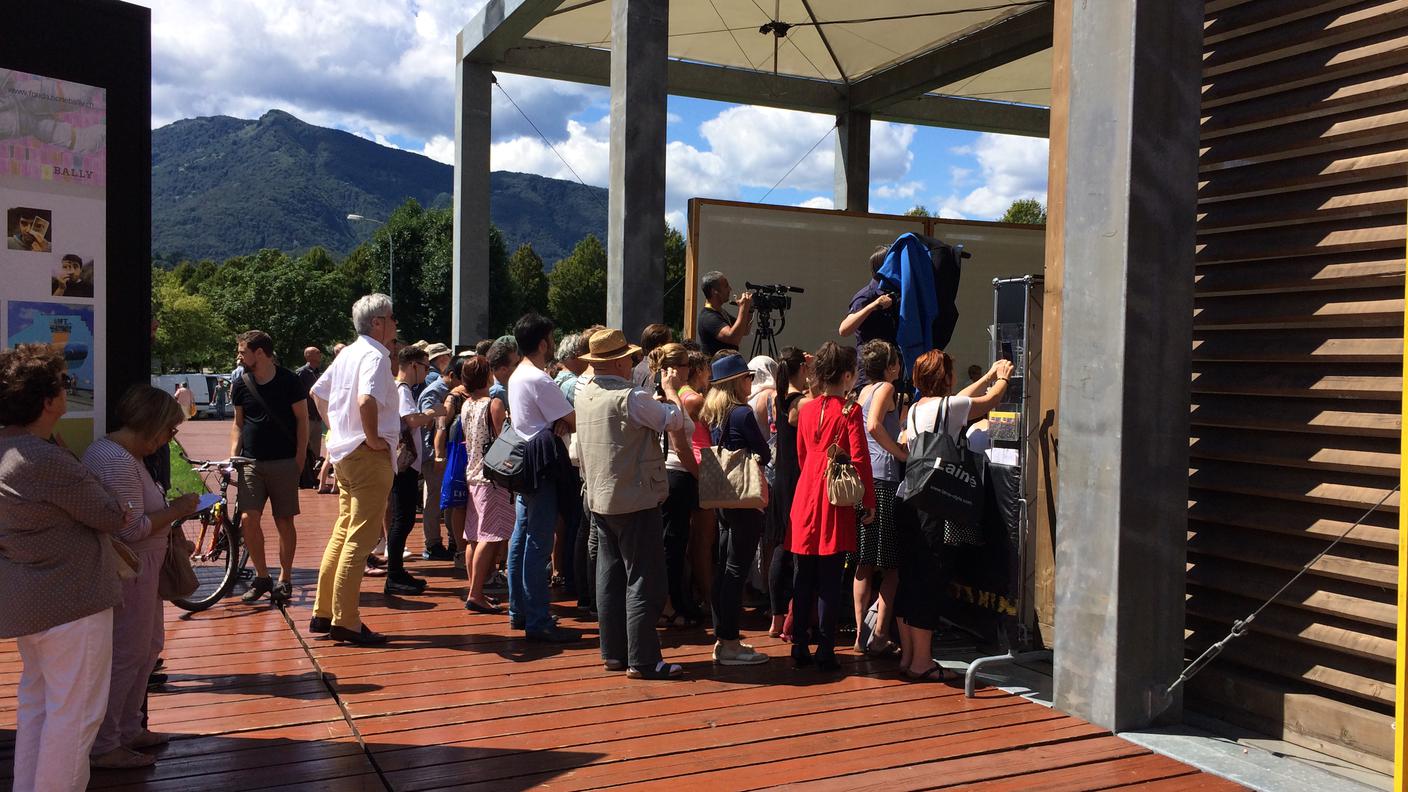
x,y
385,70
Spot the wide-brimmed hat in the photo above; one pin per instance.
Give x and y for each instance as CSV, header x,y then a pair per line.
x,y
433,351
727,368
607,345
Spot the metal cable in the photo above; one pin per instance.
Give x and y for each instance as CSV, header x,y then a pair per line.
x,y
798,162
1239,627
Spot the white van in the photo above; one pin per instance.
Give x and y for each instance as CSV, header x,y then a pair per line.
x,y
202,386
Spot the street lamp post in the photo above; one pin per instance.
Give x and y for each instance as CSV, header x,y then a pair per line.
x,y
390,255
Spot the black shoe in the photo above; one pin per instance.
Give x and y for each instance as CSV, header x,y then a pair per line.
x,y
555,635
282,593
474,607
437,552
156,679
827,663
319,625
258,588
363,637
517,623
403,588
801,658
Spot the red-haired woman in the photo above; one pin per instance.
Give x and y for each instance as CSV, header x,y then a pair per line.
x,y
921,545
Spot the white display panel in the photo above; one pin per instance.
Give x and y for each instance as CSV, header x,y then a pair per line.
x,y
53,202
827,252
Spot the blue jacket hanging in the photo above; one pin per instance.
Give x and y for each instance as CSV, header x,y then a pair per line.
x,y
927,318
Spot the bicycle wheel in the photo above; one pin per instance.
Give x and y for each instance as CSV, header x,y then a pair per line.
x,y
216,561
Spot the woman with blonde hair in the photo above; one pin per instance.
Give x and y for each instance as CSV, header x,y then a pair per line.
x,y
147,419
733,427
682,473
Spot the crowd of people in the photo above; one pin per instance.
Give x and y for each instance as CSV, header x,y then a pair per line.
x,y
614,445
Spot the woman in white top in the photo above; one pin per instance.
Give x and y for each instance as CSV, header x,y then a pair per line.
x,y
921,582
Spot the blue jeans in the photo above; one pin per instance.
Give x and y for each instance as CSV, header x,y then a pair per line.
x,y
529,554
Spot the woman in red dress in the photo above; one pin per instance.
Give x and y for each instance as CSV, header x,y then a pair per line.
x,y
822,534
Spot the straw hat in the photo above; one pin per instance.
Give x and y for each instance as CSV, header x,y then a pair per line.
x,y
608,345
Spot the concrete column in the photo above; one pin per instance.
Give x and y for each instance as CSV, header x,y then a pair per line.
x,y
470,280
1130,200
635,228
852,190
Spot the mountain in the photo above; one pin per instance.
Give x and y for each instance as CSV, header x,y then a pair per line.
x,y
225,186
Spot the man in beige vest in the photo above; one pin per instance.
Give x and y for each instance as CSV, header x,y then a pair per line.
x,y
619,427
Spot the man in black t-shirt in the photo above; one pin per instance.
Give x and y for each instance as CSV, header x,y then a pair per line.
x,y
715,329
271,427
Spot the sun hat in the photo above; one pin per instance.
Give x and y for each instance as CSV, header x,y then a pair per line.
x,y
727,368
433,351
608,345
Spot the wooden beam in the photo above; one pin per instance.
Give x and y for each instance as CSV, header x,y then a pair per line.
x,y
1017,35
1046,467
592,66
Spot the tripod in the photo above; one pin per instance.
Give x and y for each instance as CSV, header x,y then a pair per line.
x,y
765,338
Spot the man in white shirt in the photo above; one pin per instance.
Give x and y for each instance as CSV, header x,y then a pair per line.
x,y
537,405
357,397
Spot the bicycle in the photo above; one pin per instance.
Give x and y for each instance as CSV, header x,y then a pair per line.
x,y
220,556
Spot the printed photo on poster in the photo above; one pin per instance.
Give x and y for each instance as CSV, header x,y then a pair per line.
x,y
72,277
68,329
29,229
52,130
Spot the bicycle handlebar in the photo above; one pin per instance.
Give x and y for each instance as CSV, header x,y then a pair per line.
x,y
206,465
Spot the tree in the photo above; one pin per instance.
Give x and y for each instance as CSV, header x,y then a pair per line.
x,y
675,287
527,283
190,335
298,301
577,287
1025,210
918,211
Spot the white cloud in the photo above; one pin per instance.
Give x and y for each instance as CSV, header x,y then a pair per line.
x,y
903,190
1010,168
440,148
818,202
585,151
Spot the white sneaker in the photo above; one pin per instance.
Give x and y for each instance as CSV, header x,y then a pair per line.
x,y
121,759
737,653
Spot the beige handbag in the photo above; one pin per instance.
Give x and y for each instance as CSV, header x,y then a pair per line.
x,y
129,565
731,480
843,483
177,578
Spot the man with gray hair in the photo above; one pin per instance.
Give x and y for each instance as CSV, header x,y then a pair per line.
x,y
358,399
572,366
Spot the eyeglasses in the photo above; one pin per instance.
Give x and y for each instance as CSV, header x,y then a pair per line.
x,y
387,317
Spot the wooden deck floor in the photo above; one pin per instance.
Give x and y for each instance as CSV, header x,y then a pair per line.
x,y
458,701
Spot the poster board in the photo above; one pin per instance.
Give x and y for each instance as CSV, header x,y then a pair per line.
x,y
75,131
826,252
54,263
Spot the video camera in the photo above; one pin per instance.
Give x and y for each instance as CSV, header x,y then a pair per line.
x,y
773,296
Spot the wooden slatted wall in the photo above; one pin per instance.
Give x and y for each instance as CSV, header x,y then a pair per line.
x,y
1297,365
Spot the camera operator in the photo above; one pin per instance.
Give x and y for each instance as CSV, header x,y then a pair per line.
x,y
715,328
874,312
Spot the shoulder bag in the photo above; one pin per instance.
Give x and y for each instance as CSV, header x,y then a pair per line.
x,y
248,380
730,479
943,476
177,578
405,443
506,461
129,565
843,483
